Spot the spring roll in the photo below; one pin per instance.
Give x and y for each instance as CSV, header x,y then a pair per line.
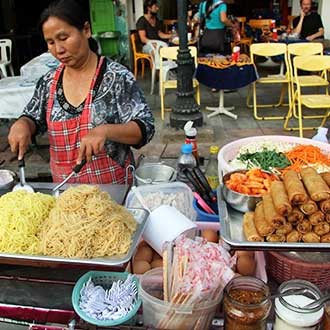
x,y
271,216
325,206
326,177
295,216
249,228
309,207
321,228
280,198
263,228
285,229
295,188
304,226
327,217
294,236
316,217
325,238
315,185
275,238
311,237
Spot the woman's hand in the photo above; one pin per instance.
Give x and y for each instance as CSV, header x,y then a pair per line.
x,y
92,143
20,134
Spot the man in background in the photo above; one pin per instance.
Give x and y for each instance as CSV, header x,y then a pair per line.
x,y
309,24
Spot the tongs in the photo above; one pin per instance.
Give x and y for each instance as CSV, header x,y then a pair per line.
x,y
75,170
22,185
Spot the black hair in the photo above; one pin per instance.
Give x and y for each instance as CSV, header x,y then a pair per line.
x,y
70,12
148,3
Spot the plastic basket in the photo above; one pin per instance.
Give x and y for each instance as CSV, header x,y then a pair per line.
x,y
283,268
105,279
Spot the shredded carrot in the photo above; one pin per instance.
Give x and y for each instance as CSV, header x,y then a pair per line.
x,y
303,155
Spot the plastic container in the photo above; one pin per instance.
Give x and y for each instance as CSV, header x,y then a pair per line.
x,y
191,138
104,279
176,194
186,160
203,216
157,312
321,135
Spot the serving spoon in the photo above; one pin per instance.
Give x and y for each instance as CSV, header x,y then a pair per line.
x,y
22,185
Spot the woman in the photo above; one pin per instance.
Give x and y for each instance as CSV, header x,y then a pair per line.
x,y
90,106
214,15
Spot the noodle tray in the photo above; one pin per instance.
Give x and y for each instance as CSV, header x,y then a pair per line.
x,y
116,262
231,224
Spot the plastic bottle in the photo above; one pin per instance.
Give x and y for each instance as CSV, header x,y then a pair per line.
x,y
321,135
186,160
191,134
211,173
173,31
275,35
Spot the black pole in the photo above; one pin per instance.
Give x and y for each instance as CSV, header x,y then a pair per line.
x,y
185,107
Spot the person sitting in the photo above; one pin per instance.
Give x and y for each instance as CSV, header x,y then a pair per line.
x,y
309,24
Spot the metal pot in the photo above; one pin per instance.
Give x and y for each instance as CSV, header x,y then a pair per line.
x,y
7,179
154,173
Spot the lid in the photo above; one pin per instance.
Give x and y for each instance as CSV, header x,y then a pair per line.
x,y
187,148
214,149
189,129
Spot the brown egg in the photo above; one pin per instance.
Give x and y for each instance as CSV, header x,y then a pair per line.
x,y
210,235
144,253
156,256
249,254
140,266
142,243
157,263
246,266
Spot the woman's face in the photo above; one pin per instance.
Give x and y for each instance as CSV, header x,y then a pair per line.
x,y
68,44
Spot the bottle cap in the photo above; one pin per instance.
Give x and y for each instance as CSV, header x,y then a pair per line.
x,y
187,148
189,129
214,149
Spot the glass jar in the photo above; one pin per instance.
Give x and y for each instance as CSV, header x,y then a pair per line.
x,y
246,304
291,311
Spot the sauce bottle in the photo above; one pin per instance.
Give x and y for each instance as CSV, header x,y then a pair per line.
x,y
186,160
211,172
191,133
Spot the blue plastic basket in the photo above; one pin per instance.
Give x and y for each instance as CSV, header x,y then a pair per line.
x,y
202,215
105,279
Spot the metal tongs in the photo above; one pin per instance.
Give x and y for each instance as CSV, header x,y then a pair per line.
x,y
75,170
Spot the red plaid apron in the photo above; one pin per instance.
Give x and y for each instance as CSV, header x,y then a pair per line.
x,y
65,137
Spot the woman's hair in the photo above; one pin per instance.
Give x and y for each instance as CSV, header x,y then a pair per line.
x,y
70,12
148,3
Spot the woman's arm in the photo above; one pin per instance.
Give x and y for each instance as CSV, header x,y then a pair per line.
x,y
224,19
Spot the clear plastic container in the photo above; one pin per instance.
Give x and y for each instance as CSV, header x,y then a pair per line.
x,y
176,194
159,314
321,135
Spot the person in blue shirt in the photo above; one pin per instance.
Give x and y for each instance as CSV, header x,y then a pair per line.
x,y
216,20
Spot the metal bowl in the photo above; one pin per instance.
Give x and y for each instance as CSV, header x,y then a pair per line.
x,y
154,173
7,179
236,200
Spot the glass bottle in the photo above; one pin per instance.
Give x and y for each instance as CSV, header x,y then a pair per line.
x,y
246,304
211,172
291,311
186,160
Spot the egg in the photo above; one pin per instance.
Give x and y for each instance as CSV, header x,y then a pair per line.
x,y
249,254
140,266
144,253
157,263
156,256
210,235
246,266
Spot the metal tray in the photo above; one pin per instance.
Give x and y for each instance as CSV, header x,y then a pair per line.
x,y
140,215
231,224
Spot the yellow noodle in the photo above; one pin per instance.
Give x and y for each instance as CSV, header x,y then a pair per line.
x,y
22,214
87,223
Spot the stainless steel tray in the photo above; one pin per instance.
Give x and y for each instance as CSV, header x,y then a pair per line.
x,y
140,215
231,229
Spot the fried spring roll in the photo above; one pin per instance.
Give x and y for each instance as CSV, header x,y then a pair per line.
x,y
325,206
315,185
275,238
272,217
325,238
311,237
326,177
262,226
285,229
304,226
294,236
316,217
295,188
309,207
321,228
327,217
249,228
295,216
280,198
